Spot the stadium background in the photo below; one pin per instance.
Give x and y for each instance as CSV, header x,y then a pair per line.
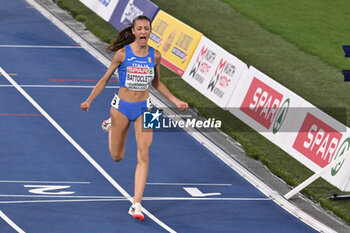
x,y
298,44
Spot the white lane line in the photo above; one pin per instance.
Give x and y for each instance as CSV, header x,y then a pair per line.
x,y
193,184
11,223
42,182
62,201
60,196
80,149
41,46
56,86
143,199
206,199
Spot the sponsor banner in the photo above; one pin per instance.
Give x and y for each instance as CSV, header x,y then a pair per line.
x,y
265,105
214,72
127,10
318,141
103,8
175,40
305,132
339,175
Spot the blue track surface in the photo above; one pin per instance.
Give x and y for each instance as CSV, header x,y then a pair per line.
x,y
34,153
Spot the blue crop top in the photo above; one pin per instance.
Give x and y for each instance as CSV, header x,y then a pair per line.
x,y
136,73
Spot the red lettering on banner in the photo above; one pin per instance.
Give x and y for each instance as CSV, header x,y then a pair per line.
x,y
224,81
201,53
204,68
261,103
137,70
220,67
218,71
317,141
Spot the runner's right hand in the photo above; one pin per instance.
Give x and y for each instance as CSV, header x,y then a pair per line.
x,y
85,106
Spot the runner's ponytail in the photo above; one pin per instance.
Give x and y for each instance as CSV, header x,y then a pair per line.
x,y
125,36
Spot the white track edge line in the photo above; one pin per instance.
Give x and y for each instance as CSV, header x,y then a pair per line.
x,y
10,222
79,148
100,58
89,48
144,198
193,184
251,178
124,199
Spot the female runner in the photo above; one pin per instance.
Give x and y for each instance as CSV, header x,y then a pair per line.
x,y
138,67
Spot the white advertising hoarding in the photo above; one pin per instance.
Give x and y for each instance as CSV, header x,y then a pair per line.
x,y
103,8
214,72
340,174
265,105
318,140
302,130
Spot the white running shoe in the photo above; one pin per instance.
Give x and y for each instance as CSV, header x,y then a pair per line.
x,y
136,211
106,124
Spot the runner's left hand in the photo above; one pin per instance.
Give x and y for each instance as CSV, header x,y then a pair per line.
x,y
182,105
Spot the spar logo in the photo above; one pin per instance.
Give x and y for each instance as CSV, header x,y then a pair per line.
x,y
202,65
262,103
139,70
318,141
281,115
345,146
223,74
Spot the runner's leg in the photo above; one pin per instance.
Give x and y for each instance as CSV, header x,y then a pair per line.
x,y
117,134
143,140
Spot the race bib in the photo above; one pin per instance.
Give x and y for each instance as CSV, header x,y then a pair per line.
x,y
149,103
138,78
115,101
